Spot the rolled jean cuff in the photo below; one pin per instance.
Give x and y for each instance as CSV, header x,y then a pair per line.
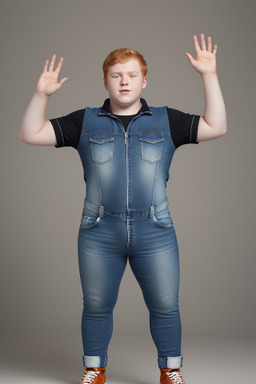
x,y
95,361
170,362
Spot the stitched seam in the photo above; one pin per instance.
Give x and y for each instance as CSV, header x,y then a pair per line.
x,y
61,131
191,128
121,133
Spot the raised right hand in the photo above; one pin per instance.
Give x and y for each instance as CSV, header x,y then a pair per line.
x,y
48,81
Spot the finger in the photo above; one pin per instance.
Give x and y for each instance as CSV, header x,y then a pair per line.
x,y
215,49
196,44
58,68
52,62
190,57
62,81
203,42
209,43
45,65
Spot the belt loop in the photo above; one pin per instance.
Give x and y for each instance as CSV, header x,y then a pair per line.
x,y
151,210
101,211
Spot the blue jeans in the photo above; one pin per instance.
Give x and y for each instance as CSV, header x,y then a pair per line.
x,y
106,240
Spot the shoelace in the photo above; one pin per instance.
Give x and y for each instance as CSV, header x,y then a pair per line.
x,y
89,377
175,377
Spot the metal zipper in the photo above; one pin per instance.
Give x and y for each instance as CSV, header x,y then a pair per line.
x,y
127,187
126,149
126,156
127,162
127,171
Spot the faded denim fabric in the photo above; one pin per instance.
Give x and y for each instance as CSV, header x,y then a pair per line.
x,y
126,217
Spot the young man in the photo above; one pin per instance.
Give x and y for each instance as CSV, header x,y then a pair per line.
x,y
126,149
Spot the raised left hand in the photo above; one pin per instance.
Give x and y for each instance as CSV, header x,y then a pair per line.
x,y
205,61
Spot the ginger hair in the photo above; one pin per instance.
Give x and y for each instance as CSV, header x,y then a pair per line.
x,y
122,55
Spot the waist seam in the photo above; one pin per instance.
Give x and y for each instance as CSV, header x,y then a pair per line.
x,y
102,211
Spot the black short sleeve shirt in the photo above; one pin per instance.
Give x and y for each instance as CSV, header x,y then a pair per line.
x,y
183,127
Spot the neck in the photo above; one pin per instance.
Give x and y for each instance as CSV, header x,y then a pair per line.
x,y
125,110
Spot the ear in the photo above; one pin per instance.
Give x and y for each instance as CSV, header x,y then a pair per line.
x,y
144,84
105,83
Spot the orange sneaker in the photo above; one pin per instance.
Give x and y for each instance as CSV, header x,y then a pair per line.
x,y
94,376
171,376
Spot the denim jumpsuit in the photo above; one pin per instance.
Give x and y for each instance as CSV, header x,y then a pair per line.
x,y
126,215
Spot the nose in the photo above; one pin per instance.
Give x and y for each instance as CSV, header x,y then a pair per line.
x,y
124,80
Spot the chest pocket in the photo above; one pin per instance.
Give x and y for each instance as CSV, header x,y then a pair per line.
x,y
151,146
102,149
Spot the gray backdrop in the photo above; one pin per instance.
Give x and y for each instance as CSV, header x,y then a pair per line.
x,y
211,188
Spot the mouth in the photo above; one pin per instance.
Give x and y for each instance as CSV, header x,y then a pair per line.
x,y
124,91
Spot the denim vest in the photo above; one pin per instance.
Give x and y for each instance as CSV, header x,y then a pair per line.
x,y
126,170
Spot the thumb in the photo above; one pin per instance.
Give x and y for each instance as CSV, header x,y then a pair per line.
x,y
190,58
62,81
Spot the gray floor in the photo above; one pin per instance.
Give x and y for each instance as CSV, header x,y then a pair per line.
x,y
132,360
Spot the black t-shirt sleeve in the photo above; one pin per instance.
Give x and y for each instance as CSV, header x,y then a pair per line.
x,y
68,128
183,127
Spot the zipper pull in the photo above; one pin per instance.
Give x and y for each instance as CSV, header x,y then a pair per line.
x,y
125,137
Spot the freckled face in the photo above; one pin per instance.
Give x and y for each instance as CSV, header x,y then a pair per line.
x,y
125,83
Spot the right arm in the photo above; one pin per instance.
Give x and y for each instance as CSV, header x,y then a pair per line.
x,y
34,129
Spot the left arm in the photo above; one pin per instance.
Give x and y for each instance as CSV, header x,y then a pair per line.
x,y
213,123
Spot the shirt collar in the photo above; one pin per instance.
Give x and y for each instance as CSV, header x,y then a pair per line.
x,y
105,109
